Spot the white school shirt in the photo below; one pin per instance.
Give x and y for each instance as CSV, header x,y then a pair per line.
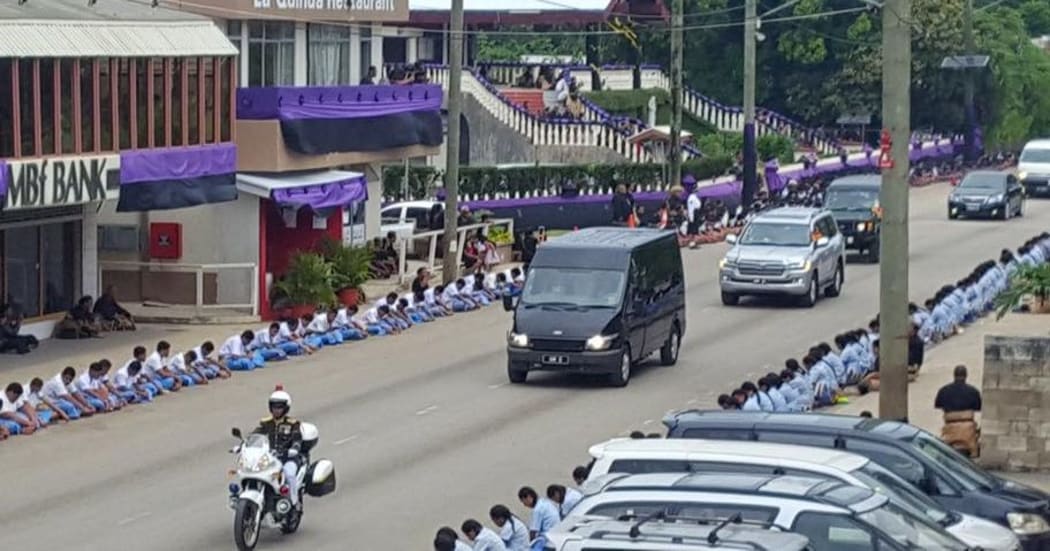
x,y
123,380
429,297
55,389
154,363
491,283
85,382
342,318
372,316
7,406
450,292
285,333
319,324
470,280
262,339
233,347
178,364
30,397
382,302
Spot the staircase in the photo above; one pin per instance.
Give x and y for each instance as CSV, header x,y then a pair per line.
x,y
530,99
596,129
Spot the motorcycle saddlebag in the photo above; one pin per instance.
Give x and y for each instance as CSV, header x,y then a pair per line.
x,y
320,478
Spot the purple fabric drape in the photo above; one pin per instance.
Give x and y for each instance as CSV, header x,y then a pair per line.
x,y
177,163
335,102
4,175
773,181
324,196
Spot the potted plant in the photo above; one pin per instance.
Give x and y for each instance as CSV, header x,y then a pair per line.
x,y
307,284
350,270
1029,286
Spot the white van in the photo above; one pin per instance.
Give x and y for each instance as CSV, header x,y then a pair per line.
x,y
1033,168
630,456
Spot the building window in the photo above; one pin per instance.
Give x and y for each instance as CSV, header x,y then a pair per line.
x,y
7,108
271,53
233,32
366,53
40,265
328,56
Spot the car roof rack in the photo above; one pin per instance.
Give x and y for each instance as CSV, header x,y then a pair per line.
x,y
712,537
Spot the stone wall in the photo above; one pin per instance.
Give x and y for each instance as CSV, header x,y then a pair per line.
x,y
1015,422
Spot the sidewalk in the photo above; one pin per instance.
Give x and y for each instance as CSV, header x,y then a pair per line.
x,y
966,349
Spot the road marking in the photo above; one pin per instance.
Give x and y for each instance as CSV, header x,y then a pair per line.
x,y
426,410
494,387
347,439
133,518
691,402
647,422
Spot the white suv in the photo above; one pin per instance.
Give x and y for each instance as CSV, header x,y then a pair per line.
x,y
660,533
792,251
708,456
834,516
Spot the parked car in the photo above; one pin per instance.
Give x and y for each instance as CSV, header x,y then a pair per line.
x,y
667,533
834,516
987,194
915,455
1033,168
677,455
854,202
792,251
599,300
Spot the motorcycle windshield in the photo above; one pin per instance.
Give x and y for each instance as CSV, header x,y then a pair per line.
x,y
257,441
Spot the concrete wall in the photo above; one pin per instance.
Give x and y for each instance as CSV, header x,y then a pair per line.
x,y
1015,423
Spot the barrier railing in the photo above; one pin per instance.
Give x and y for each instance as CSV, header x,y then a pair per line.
x,y
434,235
229,286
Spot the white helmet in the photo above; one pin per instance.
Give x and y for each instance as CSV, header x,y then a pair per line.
x,y
281,398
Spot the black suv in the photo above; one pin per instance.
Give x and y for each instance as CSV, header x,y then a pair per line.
x,y
854,201
917,456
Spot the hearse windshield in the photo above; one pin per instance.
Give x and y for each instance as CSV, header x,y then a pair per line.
x,y
573,288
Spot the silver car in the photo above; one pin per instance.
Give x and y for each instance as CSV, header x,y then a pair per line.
x,y
792,251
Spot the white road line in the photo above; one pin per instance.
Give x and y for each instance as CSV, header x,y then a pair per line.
x,y
494,387
347,439
133,518
647,422
691,402
426,410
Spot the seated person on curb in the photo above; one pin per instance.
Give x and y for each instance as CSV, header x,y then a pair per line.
x,y
235,354
156,367
46,409
434,299
825,387
315,341
212,367
16,415
109,312
89,385
406,306
290,333
265,342
132,385
10,339
104,367
390,301
770,384
380,322
138,354
60,390
455,295
320,326
79,322
350,328
475,285
182,366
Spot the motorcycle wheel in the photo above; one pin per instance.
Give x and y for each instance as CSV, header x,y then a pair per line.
x,y
292,520
246,525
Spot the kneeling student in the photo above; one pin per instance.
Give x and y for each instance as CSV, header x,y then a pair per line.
x,y
234,352
16,415
46,410
132,385
264,342
60,390
212,368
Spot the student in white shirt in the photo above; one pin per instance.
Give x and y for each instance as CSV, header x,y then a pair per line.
x,y
15,413
156,368
59,389
132,385
453,293
46,410
93,388
379,321
512,530
416,311
234,352
474,288
320,326
182,366
211,367
434,302
104,367
351,329
288,332
482,538
265,342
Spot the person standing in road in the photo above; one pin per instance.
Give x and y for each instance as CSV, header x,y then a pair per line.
x,y
512,530
545,514
482,538
622,206
565,498
960,403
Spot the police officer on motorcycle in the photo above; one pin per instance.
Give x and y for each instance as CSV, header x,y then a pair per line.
x,y
285,437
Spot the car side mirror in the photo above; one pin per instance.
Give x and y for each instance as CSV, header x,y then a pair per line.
x,y
236,432
508,303
823,242
731,238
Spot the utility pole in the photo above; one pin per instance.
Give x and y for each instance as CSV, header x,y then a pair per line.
x,y
450,262
968,83
750,186
674,154
894,322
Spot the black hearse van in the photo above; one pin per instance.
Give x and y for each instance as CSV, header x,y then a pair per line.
x,y
854,202
599,300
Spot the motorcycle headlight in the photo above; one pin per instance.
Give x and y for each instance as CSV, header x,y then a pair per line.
x,y
600,342
801,266
260,465
518,340
1027,524
1022,175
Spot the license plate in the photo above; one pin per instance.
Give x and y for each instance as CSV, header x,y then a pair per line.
x,y
759,281
849,240
973,207
556,360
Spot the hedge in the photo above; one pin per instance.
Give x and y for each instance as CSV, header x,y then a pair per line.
x,y
522,181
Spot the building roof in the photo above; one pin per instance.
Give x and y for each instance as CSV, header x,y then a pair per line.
x,y
494,13
513,5
111,28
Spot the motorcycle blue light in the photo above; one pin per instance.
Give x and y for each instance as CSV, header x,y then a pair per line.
x,y
234,489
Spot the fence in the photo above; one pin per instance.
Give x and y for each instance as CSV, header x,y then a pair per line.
x,y
433,237
231,286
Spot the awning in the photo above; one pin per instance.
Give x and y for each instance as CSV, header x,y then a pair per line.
x,y
88,39
317,190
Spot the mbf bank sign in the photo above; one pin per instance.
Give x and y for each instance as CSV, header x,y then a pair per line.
x,y
321,5
62,181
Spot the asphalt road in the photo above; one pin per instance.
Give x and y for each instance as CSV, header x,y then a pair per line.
x,y
423,428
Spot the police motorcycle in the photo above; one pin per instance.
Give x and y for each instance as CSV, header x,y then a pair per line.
x,y
260,495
